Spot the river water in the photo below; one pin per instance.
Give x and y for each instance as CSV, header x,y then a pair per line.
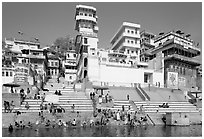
x,y
108,131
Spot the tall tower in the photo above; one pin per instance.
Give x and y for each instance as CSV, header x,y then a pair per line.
x,y
86,42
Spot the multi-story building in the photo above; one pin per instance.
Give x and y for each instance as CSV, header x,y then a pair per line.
x,y
26,55
146,43
127,41
70,66
86,42
53,68
118,66
179,62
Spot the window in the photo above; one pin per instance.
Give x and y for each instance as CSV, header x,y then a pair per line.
x,y
132,42
70,77
132,52
52,63
74,55
81,13
85,40
128,41
67,55
2,73
128,51
132,32
128,31
90,15
11,74
7,74
56,63
85,14
135,31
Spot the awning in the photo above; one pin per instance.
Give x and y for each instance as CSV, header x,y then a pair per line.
x,y
100,87
11,85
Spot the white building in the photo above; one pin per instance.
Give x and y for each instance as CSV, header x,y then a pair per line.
x,y
70,66
127,41
27,55
118,66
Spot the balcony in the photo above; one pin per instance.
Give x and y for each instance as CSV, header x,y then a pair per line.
x,y
33,56
142,63
82,17
70,63
192,61
68,71
131,45
115,53
118,64
131,35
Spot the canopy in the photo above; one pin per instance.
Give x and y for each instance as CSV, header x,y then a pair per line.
x,y
11,85
100,87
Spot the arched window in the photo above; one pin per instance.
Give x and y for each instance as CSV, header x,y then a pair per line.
x,y
85,73
85,62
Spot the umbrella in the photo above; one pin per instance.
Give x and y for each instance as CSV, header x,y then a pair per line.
x,y
11,85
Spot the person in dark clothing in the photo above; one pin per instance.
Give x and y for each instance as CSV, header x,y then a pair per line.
x,y
5,106
10,128
123,108
59,92
56,92
91,95
128,97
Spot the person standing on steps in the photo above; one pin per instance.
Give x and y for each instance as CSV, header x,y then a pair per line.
x,y
63,86
73,107
128,97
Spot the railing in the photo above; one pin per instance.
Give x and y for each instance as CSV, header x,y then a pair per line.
x,y
193,60
150,119
140,94
117,84
144,93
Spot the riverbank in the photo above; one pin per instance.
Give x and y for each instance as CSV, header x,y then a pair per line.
x,y
10,118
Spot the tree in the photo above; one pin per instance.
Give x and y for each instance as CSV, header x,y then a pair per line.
x,y
62,44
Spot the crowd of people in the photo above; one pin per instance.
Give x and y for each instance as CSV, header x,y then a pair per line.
x,y
124,117
9,106
58,93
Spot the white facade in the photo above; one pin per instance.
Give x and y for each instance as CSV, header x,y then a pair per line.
x,y
70,66
118,66
127,40
7,75
16,45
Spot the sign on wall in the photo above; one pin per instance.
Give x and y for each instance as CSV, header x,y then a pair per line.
x,y
21,74
172,79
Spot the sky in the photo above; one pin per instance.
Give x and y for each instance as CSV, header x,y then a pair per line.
x,y
49,21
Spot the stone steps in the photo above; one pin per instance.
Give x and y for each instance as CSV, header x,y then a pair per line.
x,y
153,107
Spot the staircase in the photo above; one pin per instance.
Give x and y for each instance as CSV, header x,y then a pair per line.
x,y
156,113
66,100
153,107
142,93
